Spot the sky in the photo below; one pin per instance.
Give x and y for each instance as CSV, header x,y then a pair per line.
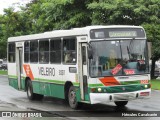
x,y
8,3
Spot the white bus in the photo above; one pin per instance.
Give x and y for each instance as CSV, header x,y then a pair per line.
x,y
93,64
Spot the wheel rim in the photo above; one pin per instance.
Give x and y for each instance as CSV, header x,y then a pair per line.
x,y
72,97
29,91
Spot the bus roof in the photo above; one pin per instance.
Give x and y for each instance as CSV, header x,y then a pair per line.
x,y
63,33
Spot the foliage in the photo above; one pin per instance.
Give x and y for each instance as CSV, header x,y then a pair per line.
x,y
155,84
129,12
66,14
3,72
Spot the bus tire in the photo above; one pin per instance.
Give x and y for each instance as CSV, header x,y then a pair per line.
x,y
30,94
121,103
72,98
39,96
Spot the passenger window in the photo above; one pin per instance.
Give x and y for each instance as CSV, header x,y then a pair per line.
x,y
44,51
69,50
34,51
55,51
26,52
11,52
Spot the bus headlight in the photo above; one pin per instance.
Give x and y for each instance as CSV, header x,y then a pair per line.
x,y
146,86
99,89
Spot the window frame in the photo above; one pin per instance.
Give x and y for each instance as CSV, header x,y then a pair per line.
x,y
13,52
34,51
39,52
55,39
63,58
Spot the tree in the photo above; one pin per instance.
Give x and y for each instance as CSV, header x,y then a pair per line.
x,y
11,24
131,12
153,34
46,15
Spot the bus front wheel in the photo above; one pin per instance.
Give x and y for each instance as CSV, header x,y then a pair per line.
x,y
30,94
72,98
121,103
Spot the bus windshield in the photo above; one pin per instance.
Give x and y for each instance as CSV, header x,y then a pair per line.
x,y
119,57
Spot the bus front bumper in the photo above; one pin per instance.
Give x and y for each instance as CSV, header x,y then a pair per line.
x,y
111,97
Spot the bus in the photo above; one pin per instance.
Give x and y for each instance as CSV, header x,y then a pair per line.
x,y
92,64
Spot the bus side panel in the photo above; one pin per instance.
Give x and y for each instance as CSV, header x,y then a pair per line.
x,y
57,90
78,94
12,77
51,83
49,89
23,83
45,88
13,82
36,87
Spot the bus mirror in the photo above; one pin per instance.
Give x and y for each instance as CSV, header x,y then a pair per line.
x,y
90,51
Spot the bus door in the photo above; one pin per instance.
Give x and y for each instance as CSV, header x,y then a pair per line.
x,y
19,63
83,71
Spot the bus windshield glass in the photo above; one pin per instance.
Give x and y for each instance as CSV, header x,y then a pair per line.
x,y
119,57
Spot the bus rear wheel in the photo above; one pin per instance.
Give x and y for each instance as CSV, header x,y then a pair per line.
x,y
121,103
72,98
30,94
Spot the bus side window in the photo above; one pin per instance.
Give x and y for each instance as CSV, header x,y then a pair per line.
x,y
26,51
69,50
55,51
11,52
33,51
44,51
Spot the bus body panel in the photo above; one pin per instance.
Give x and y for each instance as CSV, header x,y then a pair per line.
x,y
12,75
50,79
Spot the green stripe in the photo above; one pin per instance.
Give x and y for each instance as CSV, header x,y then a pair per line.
x,y
127,88
121,83
130,82
50,81
95,85
47,80
12,76
122,88
56,81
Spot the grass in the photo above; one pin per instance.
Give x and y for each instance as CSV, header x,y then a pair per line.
x,y
3,72
155,84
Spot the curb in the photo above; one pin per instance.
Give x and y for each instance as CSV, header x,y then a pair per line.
x,y
4,75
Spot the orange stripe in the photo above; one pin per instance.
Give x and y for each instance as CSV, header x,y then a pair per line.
x,y
109,81
28,71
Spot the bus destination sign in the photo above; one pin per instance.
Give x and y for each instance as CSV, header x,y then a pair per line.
x,y
121,34
117,33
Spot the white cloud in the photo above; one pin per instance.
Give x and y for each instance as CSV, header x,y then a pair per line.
x,y
8,3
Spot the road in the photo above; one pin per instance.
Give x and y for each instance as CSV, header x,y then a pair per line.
x,y
13,100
